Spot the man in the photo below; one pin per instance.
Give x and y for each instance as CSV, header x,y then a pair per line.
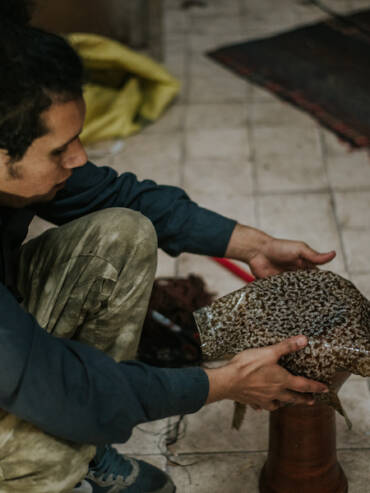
x,y
73,300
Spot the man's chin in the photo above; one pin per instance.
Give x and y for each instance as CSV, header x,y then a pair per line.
x,y
17,202
44,198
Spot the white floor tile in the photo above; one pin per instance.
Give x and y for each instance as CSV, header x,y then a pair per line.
x,y
210,431
209,116
218,279
362,282
216,7
166,265
288,159
353,210
146,439
210,89
277,113
307,217
356,245
350,170
171,121
224,178
154,156
37,227
218,143
219,473
355,398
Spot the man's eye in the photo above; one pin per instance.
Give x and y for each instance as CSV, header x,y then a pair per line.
x,y
58,152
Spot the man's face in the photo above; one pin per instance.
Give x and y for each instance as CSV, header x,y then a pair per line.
x,y
49,161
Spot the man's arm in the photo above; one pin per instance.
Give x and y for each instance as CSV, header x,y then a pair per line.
x,y
76,392
267,256
254,377
181,225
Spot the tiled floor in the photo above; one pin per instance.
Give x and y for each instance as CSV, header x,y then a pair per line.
x,y
242,152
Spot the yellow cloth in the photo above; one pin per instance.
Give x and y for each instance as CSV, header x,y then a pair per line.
x,y
125,90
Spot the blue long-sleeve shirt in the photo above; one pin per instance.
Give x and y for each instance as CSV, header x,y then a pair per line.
x,y
69,389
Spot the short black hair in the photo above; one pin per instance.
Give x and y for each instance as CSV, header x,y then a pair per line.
x,y
37,68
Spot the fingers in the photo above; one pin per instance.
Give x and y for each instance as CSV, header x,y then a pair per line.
x,y
305,385
255,407
316,258
291,345
272,406
294,398
285,399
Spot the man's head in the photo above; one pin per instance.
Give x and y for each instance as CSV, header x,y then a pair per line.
x,y
41,109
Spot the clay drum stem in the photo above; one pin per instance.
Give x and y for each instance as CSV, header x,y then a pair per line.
x,y
302,455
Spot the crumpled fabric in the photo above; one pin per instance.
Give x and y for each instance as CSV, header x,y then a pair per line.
x,y
125,90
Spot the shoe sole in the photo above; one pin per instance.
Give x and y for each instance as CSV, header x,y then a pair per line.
x,y
168,488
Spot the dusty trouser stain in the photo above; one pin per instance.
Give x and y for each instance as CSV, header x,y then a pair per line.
x,y
89,280
323,306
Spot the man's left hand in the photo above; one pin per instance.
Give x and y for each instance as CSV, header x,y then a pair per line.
x,y
267,256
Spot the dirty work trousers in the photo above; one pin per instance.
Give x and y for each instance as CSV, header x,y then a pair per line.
x,y
89,280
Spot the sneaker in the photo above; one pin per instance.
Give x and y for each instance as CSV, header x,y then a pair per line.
x,y
83,487
111,472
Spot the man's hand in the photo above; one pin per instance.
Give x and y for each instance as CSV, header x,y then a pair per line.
x,y
267,256
254,377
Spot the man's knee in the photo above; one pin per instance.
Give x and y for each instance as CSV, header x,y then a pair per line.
x,y
119,231
115,237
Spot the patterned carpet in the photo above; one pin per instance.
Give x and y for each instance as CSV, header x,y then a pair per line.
x,y
322,68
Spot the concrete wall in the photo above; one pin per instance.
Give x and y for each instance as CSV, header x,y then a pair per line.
x,y
106,17
135,22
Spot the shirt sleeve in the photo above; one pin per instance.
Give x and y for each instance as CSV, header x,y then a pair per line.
x,y
78,393
181,225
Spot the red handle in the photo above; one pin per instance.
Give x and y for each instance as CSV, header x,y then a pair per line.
x,y
235,269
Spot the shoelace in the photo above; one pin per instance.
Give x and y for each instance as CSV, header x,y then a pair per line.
x,y
109,464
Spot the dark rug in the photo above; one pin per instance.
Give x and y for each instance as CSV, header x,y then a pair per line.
x,y
322,68
170,337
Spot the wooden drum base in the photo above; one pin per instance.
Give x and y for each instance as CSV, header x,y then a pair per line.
x,y
302,455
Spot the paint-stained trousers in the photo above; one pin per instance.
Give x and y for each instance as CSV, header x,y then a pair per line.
x,y
89,280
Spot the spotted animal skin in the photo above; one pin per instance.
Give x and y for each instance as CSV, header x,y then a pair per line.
x,y
325,307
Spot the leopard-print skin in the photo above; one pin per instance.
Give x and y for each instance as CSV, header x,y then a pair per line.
x,y
325,307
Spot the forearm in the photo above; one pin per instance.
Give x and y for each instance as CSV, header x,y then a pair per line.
x,y
181,225
219,383
254,377
245,242
90,397
268,256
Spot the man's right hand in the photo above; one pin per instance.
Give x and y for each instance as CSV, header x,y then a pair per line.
x,y
254,377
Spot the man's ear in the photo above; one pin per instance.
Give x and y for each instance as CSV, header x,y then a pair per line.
x,y
5,164
4,157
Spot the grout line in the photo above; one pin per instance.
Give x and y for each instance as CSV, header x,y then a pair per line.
x,y
241,14
358,189
254,164
183,129
238,452
242,11
267,193
324,155
221,452
249,133
354,229
214,452
254,177
352,449
306,191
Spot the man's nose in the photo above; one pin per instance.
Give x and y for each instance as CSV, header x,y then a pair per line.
x,y
76,156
